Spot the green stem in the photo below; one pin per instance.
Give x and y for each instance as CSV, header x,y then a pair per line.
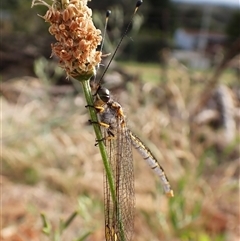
x,y
93,115
98,133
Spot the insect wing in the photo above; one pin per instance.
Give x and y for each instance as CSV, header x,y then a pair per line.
x,y
119,214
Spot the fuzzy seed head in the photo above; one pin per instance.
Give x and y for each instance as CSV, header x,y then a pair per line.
x,y
77,37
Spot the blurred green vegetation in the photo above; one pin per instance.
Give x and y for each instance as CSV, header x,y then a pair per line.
x,y
50,163
159,21
47,142
232,28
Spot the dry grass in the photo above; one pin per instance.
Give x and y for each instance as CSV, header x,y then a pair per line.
x,y
50,163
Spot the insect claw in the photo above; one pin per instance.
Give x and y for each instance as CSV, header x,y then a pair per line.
x,y
110,133
87,106
97,141
93,122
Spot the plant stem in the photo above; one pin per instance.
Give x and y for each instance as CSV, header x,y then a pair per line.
x,y
98,133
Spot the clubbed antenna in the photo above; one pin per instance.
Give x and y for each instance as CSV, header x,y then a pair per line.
x,y
108,13
138,4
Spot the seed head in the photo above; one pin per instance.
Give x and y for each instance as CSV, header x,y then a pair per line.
x,y
77,37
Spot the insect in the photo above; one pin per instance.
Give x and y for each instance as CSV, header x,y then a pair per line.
x,y
118,139
119,213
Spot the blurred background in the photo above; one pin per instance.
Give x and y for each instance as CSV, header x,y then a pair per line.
x,y
176,76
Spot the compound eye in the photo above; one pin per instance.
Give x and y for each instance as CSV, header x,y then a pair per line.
x,y
104,94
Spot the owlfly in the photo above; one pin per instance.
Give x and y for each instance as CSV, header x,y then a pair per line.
x,y
119,213
118,139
